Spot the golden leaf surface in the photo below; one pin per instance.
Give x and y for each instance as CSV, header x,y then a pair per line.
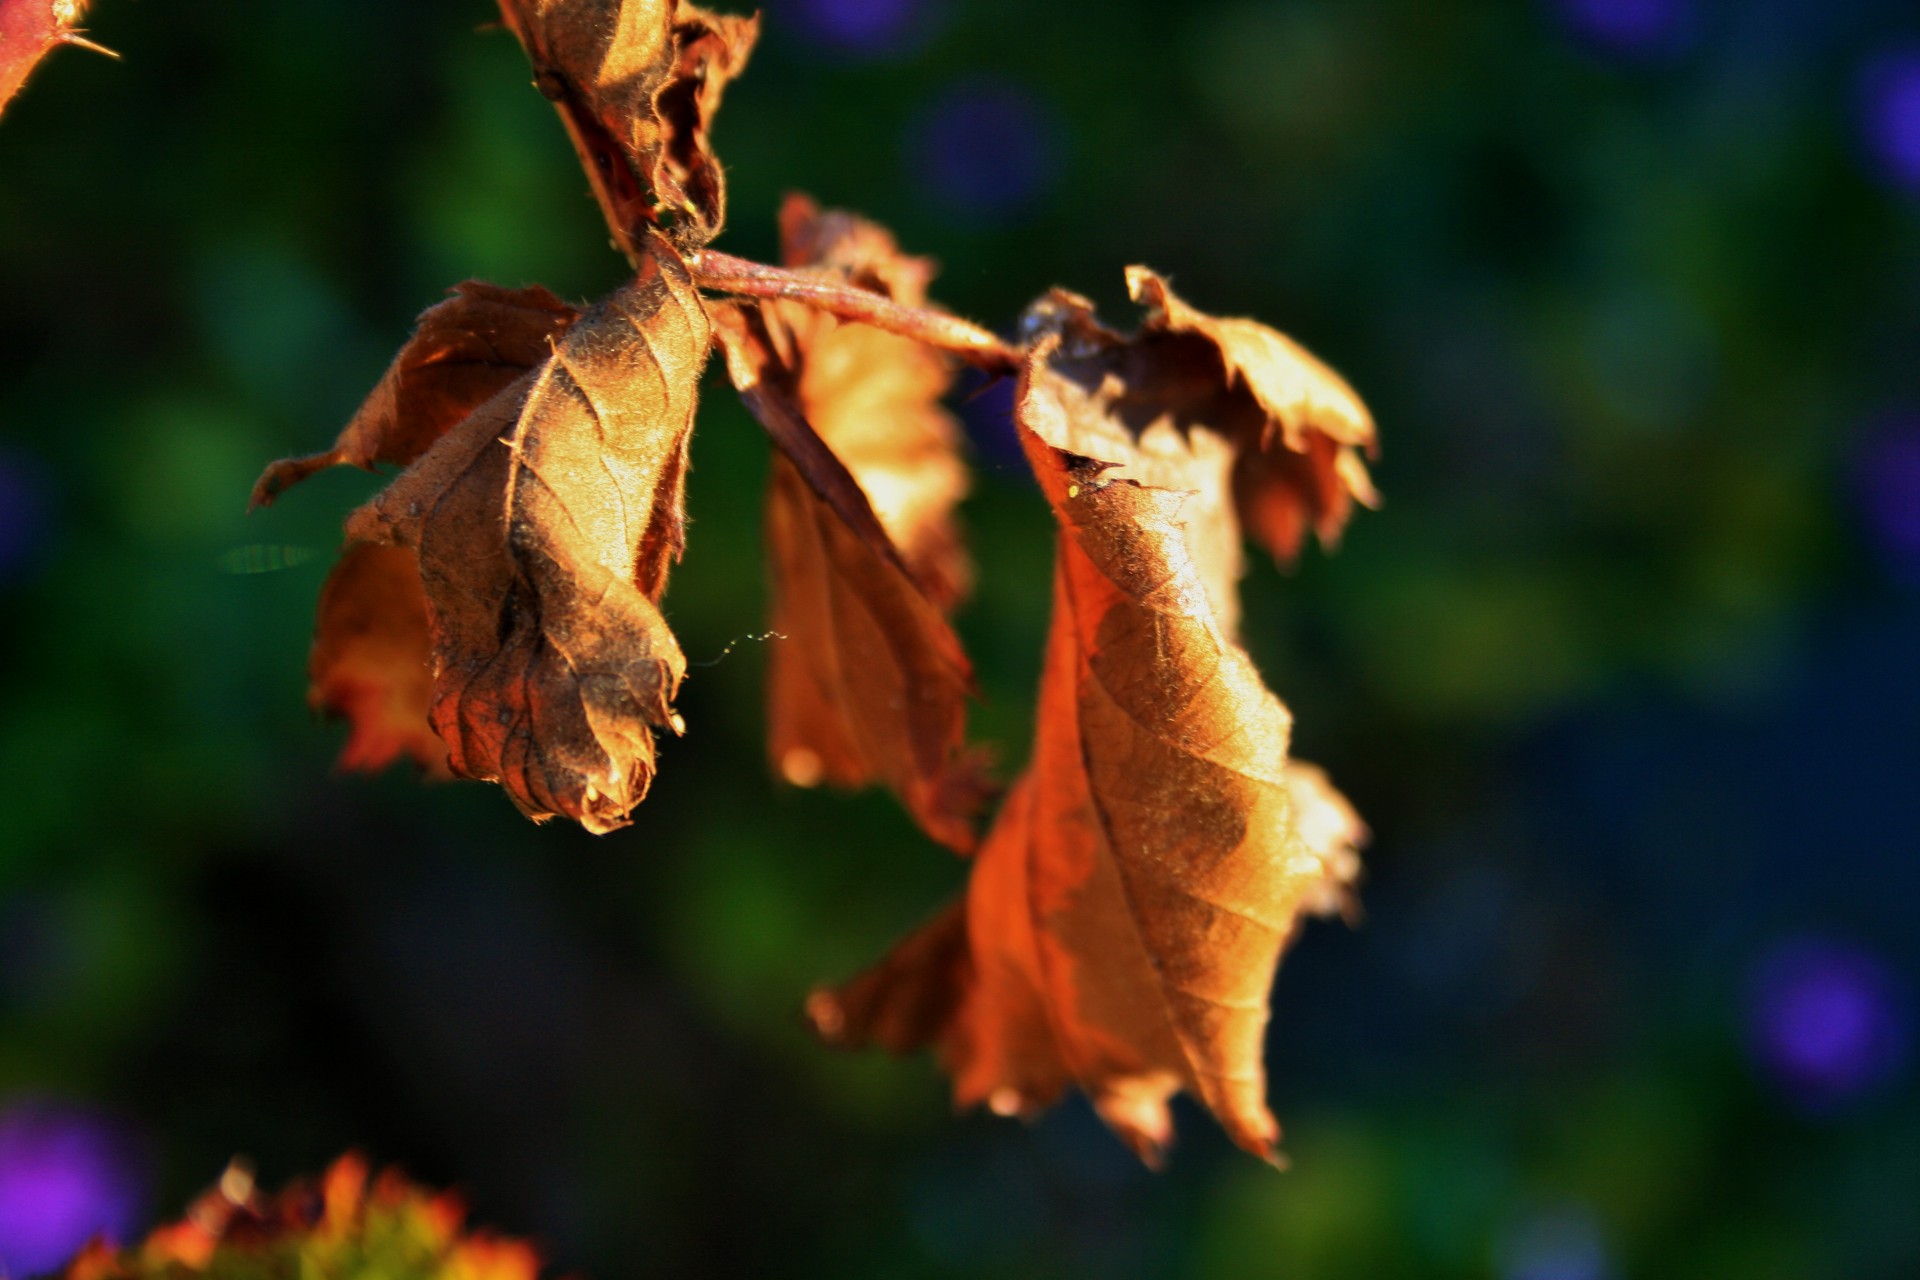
x,y
370,655
1299,428
874,396
1127,911
637,83
461,353
371,643
545,525
867,681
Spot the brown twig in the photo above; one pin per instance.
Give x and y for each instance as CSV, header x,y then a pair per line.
x,y
725,273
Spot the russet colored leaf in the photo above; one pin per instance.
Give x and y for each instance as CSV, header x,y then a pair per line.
x,y
370,660
29,31
1300,429
497,612
637,82
874,396
867,681
1127,910
545,524
462,352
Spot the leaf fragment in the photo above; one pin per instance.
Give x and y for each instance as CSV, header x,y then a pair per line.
x,y
546,523
1300,428
869,683
29,31
370,659
637,83
874,396
461,353
1127,910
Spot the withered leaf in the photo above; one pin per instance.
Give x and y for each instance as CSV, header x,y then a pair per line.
x,y
637,83
1299,428
874,396
370,656
29,31
1126,912
370,660
546,523
462,352
869,682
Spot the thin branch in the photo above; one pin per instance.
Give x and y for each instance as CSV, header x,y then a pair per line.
x,y
725,273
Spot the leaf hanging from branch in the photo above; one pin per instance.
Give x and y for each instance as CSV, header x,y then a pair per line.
x,y
637,83
546,524
1299,427
869,683
462,353
370,660
1126,912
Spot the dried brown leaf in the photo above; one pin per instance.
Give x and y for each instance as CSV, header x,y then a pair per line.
x,y
370,660
637,83
1126,912
1299,427
462,352
29,31
545,524
370,656
869,682
873,396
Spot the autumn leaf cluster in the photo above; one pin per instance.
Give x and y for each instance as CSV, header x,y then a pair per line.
x,y
496,613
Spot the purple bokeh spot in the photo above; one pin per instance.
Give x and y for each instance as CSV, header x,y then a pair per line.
x,y
23,513
1888,470
66,1175
877,29
983,151
1829,1021
1890,117
1634,28
986,408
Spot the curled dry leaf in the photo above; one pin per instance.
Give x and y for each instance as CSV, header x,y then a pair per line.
x,y
1127,910
869,682
1300,429
29,31
637,83
874,396
462,352
545,524
370,660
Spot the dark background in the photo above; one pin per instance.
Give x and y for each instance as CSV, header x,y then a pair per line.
x,y
1623,675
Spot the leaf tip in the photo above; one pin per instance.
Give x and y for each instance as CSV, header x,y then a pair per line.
x,y
826,1015
802,767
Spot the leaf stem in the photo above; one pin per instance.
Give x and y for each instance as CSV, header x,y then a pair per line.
x,y
725,273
